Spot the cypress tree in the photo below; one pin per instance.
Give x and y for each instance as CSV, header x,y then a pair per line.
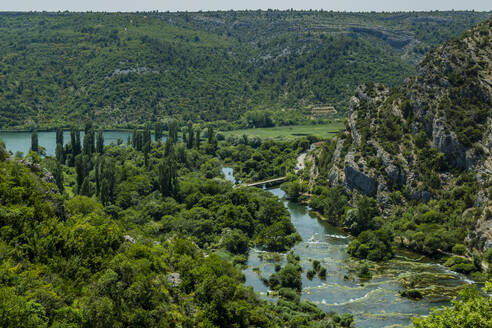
x,y
147,135
59,136
197,138
34,141
106,181
85,189
75,144
173,131
168,178
60,155
89,139
158,132
58,175
146,151
210,134
134,138
80,169
100,142
189,143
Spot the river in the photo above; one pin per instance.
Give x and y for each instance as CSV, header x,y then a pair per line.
x,y
375,302
21,141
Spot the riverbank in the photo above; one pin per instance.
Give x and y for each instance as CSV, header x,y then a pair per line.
x,y
376,302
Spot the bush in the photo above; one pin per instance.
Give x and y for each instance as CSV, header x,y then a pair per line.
x,y
412,293
289,294
240,259
316,265
364,272
460,265
459,249
322,273
236,242
290,277
371,245
488,255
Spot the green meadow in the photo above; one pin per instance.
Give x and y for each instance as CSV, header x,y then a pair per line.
x,y
291,131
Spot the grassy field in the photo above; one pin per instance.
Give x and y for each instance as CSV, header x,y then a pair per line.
x,y
292,131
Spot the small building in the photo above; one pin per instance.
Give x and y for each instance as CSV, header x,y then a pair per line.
x,y
323,111
316,145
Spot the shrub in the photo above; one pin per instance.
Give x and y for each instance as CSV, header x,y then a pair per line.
x,y
371,245
236,242
289,294
459,249
460,265
488,255
412,293
316,265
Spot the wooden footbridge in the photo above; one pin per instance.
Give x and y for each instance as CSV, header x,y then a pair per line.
x,y
267,182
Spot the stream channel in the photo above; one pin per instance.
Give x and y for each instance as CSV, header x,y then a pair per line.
x,y
375,302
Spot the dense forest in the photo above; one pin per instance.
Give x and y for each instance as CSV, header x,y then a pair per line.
x,y
122,69
150,233
145,234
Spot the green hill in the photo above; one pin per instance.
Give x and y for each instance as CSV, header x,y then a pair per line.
x,y
121,68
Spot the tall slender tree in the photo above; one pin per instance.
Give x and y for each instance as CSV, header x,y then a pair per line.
x,y
100,142
89,139
106,180
59,152
168,176
197,138
59,136
81,170
34,141
189,142
173,131
158,132
58,175
75,144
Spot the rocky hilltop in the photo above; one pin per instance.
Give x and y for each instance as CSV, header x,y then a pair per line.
x,y
430,137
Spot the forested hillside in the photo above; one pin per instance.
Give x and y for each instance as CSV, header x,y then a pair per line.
x,y
141,235
123,69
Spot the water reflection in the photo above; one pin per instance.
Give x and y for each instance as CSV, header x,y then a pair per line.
x,y
21,141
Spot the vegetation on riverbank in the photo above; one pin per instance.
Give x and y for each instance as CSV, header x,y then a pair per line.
x,y
473,309
132,235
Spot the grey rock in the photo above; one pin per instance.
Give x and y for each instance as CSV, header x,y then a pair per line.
x,y
448,143
396,175
174,279
481,199
355,179
423,195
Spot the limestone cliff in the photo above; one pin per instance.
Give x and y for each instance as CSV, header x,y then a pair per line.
x,y
422,138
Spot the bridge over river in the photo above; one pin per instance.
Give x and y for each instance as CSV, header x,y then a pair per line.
x,y
267,182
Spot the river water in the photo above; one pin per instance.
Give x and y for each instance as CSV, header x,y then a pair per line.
x,y
375,302
21,141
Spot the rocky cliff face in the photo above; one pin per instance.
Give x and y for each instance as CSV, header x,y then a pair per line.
x,y
420,138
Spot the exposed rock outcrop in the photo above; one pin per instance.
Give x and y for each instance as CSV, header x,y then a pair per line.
x,y
422,137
